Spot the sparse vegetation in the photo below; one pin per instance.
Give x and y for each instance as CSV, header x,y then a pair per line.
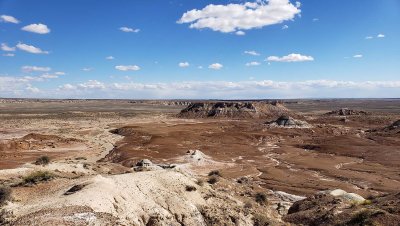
x,y
366,202
38,176
215,173
261,198
80,158
43,160
362,218
200,182
248,205
213,180
190,188
261,220
5,195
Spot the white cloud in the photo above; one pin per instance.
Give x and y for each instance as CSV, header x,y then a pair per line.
x,y
294,57
254,63
127,67
200,67
67,87
32,89
37,28
49,76
87,69
315,19
59,73
8,19
8,54
240,33
184,64
110,58
28,69
252,52
7,48
216,66
246,16
92,84
358,56
128,29
369,37
380,36
284,27
31,49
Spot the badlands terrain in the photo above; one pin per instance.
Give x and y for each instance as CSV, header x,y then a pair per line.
x,y
193,162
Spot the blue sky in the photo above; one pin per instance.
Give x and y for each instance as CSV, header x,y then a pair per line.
x,y
199,49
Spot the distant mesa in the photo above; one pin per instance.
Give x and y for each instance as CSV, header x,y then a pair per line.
x,y
346,112
232,109
285,121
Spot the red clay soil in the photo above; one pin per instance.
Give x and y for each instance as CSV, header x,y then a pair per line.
x,y
299,161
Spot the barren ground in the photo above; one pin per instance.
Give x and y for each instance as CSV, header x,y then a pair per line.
x,y
110,136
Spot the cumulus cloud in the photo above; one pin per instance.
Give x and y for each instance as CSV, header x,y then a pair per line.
x,y
8,54
216,66
87,69
128,29
37,28
294,57
7,48
110,58
254,63
240,33
8,19
245,16
184,64
31,49
284,27
358,56
369,37
380,36
32,89
127,68
59,73
49,76
252,52
28,69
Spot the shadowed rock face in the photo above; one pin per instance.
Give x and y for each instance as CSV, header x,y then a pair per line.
x,y
326,209
233,110
395,125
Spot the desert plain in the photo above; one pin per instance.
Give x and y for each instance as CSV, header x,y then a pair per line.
x,y
200,162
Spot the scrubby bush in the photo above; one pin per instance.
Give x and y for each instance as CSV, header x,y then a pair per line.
x,y
213,180
190,188
261,198
261,220
215,173
38,176
5,195
200,182
43,160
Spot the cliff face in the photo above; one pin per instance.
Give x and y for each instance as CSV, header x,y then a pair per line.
x,y
233,110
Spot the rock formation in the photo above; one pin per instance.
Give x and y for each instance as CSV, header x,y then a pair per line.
x,y
346,112
288,122
233,110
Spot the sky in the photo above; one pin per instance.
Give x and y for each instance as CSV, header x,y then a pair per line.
x,y
180,49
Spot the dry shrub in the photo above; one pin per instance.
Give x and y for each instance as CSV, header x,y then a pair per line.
x,y
213,180
215,173
261,198
36,177
43,160
5,195
190,188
